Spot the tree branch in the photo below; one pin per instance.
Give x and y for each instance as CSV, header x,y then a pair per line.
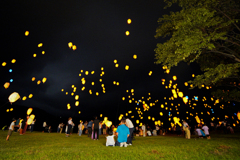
x,y
227,55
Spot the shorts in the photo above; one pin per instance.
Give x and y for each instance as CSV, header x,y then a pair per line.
x,y
10,132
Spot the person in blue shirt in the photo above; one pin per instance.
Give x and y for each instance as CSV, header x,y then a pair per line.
x,y
122,133
90,128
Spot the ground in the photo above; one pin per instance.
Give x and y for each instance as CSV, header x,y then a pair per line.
x,y
45,146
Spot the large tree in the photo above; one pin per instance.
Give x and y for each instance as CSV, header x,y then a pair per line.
x,y
206,32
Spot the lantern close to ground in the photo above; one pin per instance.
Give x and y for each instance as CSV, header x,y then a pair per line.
x,y
13,97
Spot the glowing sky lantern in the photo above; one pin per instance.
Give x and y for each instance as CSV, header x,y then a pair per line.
x,y
76,97
193,75
13,97
29,111
11,109
44,79
6,85
30,119
34,55
197,119
161,114
123,98
30,96
24,98
174,78
115,61
38,82
129,21
107,122
126,67
134,56
7,110
66,93
76,103
70,44
74,47
68,106
86,73
97,93
186,84
150,73
13,61
127,33
176,121
117,83
33,78
26,33
180,94
116,65
185,100
167,71
40,45
4,64
43,52
92,83
238,115
92,72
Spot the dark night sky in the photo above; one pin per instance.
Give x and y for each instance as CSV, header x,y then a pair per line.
x,y
97,28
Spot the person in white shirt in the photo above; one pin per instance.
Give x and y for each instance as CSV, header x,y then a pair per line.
x,y
144,130
198,130
206,131
110,141
44,126
130,125
11,128
80,128
70,123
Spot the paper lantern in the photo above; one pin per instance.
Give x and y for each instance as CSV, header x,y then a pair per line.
x,y
43,52
129,21
44,79
180,94
76,97
127,33
126,67
74,47
197,119
13,60
30,119
24,98
134,56
193,75
116,65
174,78
92,83
107,122
185,100
238,115
34,55
11,109
29,111
79,112
26,33
13,97
68,106
33,78
30,96
40,45
123,98
4,64
100,115
6,85
167,71
70,44
76,103
150,73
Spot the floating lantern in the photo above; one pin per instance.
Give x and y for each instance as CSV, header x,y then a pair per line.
x,y
30,96
6,85
4,64
129,21
44,79
43,52
74,47
116,65
134,56
40,45
26,33
24,98
70,44
127,33
126,67
13,60
13,97
29,111
76,103
34,55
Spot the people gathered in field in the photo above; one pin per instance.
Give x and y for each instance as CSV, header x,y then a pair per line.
x,y
123,133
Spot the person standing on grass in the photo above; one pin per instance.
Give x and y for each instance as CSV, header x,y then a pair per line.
x,y
80,128
206,131
100,128
144,130
11,128
95,128
61,127
104,129
130,125
90,128
85,127
186,129
32,125
70,123
26,125
122,133
44,126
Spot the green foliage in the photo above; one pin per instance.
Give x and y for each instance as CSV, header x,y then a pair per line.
x,y
206,32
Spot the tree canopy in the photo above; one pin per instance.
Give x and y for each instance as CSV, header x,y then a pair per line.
x,y
206,32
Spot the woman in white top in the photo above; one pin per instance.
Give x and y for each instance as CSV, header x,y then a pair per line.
x,y
70,123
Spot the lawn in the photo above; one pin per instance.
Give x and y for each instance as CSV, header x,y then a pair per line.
x,y
39,145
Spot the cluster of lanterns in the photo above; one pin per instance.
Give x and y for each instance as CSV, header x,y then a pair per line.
x,y
71,46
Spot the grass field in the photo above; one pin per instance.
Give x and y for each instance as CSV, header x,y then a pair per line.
x,y
38,145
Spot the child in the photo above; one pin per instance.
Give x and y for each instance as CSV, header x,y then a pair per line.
x,y
110,141
206,130
198,130
11,128
122,133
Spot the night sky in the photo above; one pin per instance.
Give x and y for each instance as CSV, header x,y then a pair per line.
x,y
98,29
